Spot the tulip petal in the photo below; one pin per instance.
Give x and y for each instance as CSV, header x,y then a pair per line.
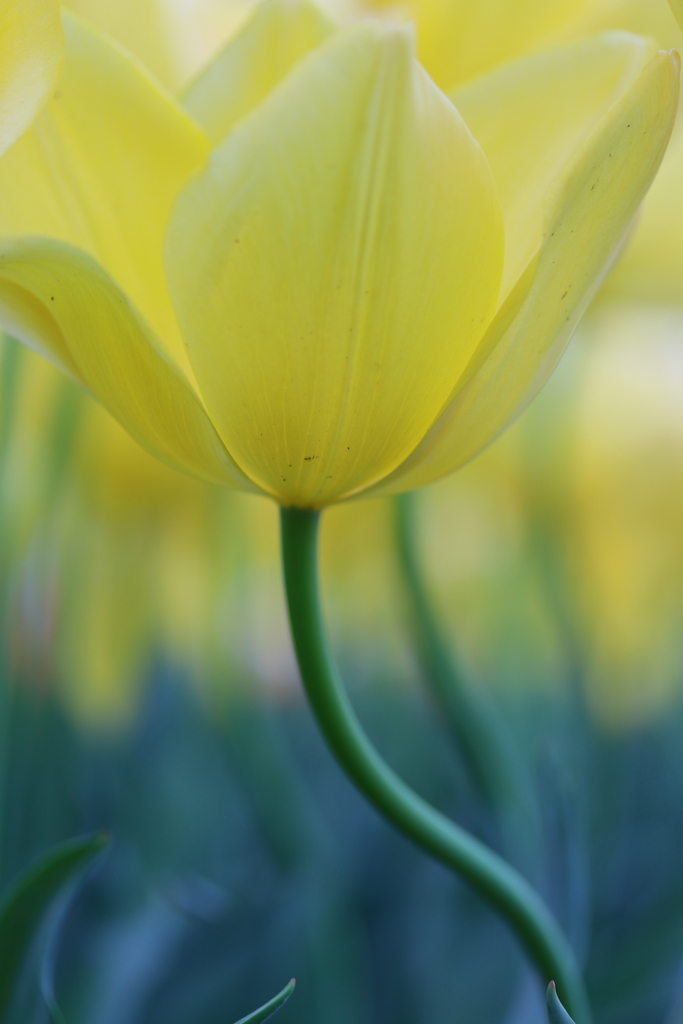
x,y
531,116
173,40
276,37
101,168
655,20
31,52
59,301
595,207
651,269
461,39
334,268
143,26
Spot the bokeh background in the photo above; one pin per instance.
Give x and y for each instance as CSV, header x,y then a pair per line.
x,y
148,686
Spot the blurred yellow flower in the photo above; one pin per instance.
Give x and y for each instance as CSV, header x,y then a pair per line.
x,y
364,284
556,556
628,498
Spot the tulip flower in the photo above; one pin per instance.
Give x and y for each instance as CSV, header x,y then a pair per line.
x,y
322,312
324,278
173,41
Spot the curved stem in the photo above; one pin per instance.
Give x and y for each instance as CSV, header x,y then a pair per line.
x,y
472,717
493,878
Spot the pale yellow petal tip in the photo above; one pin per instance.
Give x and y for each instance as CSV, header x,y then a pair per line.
x,y
394,46
393,36
672,58
274,38
402,33
81,35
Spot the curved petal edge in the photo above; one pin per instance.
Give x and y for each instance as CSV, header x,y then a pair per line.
x,y
59,301
585,231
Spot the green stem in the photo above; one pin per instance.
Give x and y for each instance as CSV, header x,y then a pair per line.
x,y
490,875
472,717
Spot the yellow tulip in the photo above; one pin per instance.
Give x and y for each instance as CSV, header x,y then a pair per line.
x,y
354,292
31,52
365,282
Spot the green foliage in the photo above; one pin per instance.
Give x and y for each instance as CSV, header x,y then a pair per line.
x,y
271,1007
243,852
24,905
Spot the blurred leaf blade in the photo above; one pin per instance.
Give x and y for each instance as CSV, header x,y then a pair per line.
x,y
271,1007
24,905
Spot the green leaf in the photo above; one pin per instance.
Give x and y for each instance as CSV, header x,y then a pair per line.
x,y
25,903
268,1009
556,1011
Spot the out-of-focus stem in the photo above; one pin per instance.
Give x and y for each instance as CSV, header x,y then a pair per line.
x,y
471,715
500,885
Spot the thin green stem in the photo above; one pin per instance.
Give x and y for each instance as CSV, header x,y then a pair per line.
x,y
490,875
473,719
